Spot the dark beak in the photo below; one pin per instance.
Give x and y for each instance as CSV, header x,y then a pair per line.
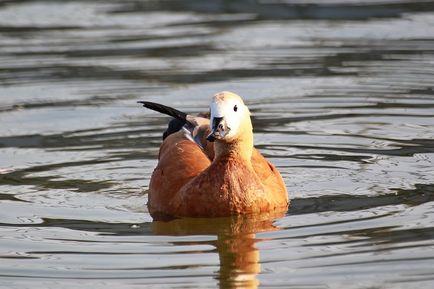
x,y
217,129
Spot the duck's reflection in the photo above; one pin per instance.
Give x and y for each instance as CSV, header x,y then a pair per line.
x,y
235,243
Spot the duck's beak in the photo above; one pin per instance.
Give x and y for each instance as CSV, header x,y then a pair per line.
x,y
218,129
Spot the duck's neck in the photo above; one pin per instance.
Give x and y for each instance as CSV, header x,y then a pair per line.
x,y
240,148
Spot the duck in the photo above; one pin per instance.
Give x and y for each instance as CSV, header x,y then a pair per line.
x,y
209,167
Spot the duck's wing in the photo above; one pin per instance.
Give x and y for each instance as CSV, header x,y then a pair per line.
x,y
195,128
165,110
183,155
179,161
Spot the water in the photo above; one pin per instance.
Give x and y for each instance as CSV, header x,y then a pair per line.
x,y
343,104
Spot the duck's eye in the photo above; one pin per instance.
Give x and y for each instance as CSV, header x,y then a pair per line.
x,y
235,107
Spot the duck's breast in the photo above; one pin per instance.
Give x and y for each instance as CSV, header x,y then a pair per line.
x,y
226,188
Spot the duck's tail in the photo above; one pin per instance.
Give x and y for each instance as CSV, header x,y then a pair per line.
x,y
182,116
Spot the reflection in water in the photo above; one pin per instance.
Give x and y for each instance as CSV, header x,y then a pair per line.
x,y
239,261
235,244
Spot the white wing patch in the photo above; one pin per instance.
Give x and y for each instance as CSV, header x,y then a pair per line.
x,y
188,134
193,129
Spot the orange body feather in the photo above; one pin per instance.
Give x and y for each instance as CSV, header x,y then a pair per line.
x,y
218,179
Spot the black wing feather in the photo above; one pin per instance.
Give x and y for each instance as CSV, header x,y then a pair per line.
x,y
165,110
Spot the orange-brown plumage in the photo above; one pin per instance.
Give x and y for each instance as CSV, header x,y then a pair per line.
x,y
221,178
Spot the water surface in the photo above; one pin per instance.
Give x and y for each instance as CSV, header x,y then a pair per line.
x,y
342,100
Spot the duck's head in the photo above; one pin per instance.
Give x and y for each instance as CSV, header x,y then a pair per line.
x,y
230,118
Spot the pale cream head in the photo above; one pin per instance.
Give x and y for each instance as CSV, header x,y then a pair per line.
x,y
229,117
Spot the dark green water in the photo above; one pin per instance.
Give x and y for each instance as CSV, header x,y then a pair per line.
x,y
343,104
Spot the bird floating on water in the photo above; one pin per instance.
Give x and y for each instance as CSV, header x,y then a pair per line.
x,y
208,167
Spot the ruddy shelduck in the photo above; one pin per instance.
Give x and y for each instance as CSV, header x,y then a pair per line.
x,y
208,167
